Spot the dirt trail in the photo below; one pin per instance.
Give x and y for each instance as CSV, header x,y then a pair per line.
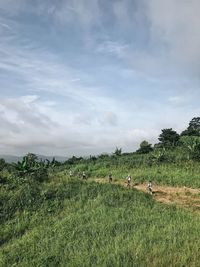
x,y
181,196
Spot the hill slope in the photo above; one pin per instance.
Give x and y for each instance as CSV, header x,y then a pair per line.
x,y
77,223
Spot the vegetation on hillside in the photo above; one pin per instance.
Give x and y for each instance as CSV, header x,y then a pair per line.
x,y
88,224
50,219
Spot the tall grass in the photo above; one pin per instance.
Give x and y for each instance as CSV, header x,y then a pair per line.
x,y
87,224
184,173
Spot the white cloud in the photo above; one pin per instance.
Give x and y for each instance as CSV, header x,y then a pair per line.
x,y
175,32
136,136
13,7
85,13
111,47
4,25
57,109
170,30
28,126
121,10
85,119
179,101
176,23
109,118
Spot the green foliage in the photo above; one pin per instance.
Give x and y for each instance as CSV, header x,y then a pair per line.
x,y
103,156
162,165
30,167
193,128
168,138
2,164
145,148
49,219
158,155
87,224
54,163
16,197
118,152
192,144
74,160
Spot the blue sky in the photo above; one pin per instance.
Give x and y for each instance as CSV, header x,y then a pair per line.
x,y
84,76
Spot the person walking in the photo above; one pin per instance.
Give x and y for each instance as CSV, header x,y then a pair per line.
x,y
84,176
129,180
149,188
110,178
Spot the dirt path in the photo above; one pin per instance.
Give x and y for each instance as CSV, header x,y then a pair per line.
x,y
181,196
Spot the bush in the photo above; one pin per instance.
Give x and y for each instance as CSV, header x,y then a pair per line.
x,y
22,196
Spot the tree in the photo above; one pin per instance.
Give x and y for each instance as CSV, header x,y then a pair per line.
x,y
71,161
145,148
103,156
118,151
168,138
193,129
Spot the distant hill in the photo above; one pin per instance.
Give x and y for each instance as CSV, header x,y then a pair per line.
x,y
58,158
11,158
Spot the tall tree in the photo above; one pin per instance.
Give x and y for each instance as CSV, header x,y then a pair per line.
x,y
168,138
194,128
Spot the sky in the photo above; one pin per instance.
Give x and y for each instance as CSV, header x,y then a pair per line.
x,y
81,77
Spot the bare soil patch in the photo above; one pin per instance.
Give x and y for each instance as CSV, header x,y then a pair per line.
x,y
182,196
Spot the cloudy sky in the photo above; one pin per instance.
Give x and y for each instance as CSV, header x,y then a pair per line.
x,y
84,76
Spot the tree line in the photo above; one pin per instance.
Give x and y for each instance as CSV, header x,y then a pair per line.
x,y
169,139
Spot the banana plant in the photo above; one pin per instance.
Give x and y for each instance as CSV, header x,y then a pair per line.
x,y
158,154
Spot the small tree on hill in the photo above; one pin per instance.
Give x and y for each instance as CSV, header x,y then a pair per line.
x,y
145,148
168,138
193,129
118,151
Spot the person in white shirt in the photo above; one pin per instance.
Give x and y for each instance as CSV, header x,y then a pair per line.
x,y
129,180
149,188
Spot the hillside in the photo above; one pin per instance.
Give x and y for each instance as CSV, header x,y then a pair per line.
x,y
67,214
99,133
75,223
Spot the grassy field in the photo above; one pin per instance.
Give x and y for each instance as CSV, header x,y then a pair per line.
x,y
76,223
175,174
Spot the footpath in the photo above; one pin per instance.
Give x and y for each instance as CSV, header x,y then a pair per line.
x,y
182,196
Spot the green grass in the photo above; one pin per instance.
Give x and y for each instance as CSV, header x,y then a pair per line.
x,y
88,224
179,174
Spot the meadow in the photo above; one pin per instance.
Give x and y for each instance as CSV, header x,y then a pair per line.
x,y
69,222
51,218
182,173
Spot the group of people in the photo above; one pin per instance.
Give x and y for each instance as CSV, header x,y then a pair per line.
x,y
110,179
149,185
128,179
